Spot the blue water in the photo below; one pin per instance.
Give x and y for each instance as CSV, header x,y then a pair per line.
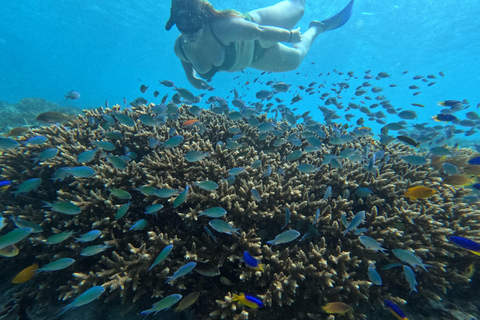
x,y
106,50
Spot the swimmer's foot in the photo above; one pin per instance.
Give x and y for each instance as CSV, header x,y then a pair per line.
x,y
321,28
337,20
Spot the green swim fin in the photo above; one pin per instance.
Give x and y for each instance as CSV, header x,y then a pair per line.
x,y
339,19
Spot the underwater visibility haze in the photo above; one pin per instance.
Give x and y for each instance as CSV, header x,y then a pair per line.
x,y
345,189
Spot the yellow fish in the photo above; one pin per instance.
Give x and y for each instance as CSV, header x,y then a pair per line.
x,y
336,307
25,275
419,192
9,251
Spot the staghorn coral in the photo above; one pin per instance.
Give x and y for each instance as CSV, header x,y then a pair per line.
x,y
299,277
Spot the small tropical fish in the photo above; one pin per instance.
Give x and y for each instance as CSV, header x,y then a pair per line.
x,y
93,250
363,192
4,185
117,162
86,156
207,185
235,171
356,221
371,244
25,275
104,145
153,209
14,236
295,155
26,224
147,190
248,300
189,123
8,143
81,172
166,193
120,193
374,276
35,140
419,192
27,186
215,212
410,277
317,215
444,117
46,155
336,308
223,227
467,244
474,161
285,237
164,304
162,256
9,251
194,156
395,310
89,236
124,119
226,281
139,225
459,180
184,270
287,217
207,269
74,95
187,301
415,160
173,142
59,237
307,168
210,234
56,265
122,211
85,298
63,207
410,258
252,262
409,141
148,120
181,197
450,168
256,195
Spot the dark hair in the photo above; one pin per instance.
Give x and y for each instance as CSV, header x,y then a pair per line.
x,y
202,8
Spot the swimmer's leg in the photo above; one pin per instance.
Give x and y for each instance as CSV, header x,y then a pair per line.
x,y
285,14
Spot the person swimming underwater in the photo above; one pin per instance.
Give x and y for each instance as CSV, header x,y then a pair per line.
x,y
211,40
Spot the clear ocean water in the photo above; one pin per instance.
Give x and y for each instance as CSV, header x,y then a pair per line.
x,y
106,50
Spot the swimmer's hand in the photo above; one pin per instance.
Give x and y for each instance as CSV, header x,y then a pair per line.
x,y
296,35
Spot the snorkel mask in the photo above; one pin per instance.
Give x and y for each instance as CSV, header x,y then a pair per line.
x,y
187,21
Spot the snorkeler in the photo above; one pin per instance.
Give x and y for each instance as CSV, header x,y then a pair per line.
x,y
227,40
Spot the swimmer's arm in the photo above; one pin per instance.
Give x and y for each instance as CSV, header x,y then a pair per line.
x,y
188,68
238,29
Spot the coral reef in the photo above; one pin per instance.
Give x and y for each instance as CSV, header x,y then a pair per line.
x,y
299,277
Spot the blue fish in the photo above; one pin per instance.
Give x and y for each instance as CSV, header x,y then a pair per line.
x,y
395,310
252,262
467,244
474,161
